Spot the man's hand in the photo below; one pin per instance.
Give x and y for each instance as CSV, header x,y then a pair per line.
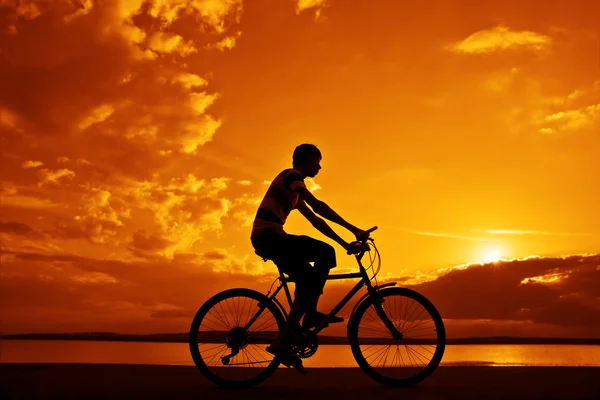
x,y
360,234
356,247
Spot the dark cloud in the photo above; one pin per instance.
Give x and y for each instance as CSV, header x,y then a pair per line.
x,y
76,287
143,240
16,228
509,295
214,255
564,294
147,245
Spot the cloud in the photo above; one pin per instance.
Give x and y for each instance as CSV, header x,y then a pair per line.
x,y
175,213
540,296
448,235
16,228
532,232
98,218
573,119
312,185
576,111
533,296
27,9
14,197
49,177
500,38
32,164
189,80
226,263
532,100
243,210
104,138
96,115
8,119
72,293
302,5
313,5
147,241
149,245
94,277
183,208
586,95
501,81
161,42
227,43
154,100
561,291
216,14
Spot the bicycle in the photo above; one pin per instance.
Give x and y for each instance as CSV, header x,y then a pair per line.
x,y
234,354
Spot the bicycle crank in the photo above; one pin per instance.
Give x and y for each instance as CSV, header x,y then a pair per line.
x,y
305,343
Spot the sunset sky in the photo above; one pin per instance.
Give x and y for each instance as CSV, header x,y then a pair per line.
x,y
138,136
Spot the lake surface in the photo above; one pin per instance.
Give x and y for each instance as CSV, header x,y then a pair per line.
x,y
73,351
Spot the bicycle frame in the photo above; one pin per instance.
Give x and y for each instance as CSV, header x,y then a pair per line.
x,y
364,280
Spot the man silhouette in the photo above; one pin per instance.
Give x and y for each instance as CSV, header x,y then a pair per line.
x,y
292,253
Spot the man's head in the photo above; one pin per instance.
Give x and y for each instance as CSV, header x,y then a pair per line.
x,y
306,159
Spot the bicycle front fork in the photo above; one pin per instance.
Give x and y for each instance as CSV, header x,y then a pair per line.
x,y
396,334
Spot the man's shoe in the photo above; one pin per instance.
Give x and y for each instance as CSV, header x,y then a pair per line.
x,y
313,319
287,357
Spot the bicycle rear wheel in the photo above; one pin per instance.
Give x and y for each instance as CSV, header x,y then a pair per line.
x,y
402,361
229,334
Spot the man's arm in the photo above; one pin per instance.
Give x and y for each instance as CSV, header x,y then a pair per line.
x,y
321,208
320,224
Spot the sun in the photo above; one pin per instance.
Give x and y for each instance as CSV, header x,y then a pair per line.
x,y
490,254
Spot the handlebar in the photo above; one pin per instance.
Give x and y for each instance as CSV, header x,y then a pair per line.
x,y
365,247
363,242
368,231
371,230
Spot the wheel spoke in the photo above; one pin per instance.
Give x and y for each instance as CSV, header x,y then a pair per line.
x,y
223,349
398,361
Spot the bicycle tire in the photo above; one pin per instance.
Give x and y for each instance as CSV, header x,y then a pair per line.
x,y
199,317
354,324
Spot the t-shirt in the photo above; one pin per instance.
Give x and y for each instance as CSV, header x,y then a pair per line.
x,y
279,200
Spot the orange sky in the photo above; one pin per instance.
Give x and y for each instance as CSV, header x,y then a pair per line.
x,y
137,137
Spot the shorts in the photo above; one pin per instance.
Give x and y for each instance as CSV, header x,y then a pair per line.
x,y
293,253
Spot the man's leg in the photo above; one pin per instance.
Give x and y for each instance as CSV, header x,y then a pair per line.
x,y
324,259
279,249
293,254
309,286
298,309
318,283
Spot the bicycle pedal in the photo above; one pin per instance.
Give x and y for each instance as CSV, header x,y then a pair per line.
x,y
296,364
300,368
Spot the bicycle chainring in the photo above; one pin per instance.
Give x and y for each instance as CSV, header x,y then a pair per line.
x,y
305,343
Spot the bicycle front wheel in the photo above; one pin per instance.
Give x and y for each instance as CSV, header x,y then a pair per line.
x,y
229,334
400,361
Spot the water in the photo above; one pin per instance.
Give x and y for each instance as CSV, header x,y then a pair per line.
x,y
73,351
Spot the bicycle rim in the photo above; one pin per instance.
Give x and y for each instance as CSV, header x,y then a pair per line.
x,y
398,362
218,330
